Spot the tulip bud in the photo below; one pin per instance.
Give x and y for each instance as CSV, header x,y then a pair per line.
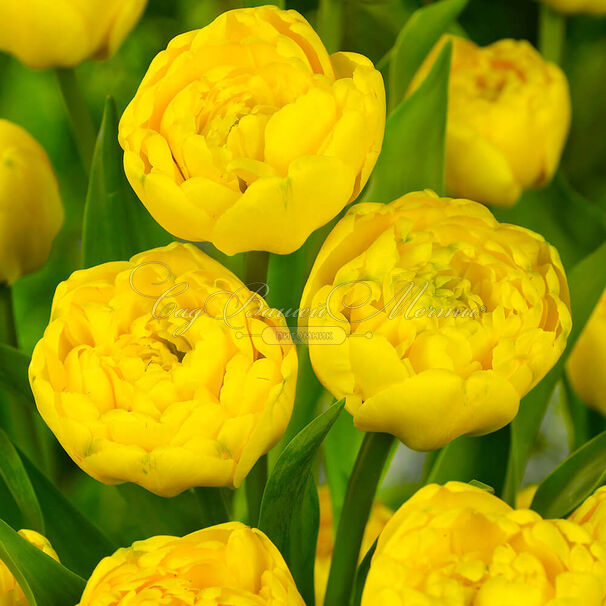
x,y
248,134
31,212
440,317
10,592
164,371
585,366
508,118
63,33
457,544
220,565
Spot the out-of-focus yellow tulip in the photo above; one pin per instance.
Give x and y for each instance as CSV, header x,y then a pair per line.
x,y
459,545
379,516
31,212
63,33
160,371
587,362
226,564
247,134
10,592
440,318
508,118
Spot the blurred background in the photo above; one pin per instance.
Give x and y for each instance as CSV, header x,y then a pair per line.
x,y
33,100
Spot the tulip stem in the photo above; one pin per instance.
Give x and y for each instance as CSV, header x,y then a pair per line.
x,y
358,503
255,269
212,505
255,487
552,34
330,24
83,128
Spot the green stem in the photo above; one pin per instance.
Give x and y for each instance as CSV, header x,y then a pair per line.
x,y
255,267
255,486
356,509
212,505
330,24
552,34
21,422
82,124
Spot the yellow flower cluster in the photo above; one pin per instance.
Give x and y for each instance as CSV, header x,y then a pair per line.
x,y
457,545
447,314
63,33
587,361
151,371
10,592
31,212
379,516
246,133
227,564
508,117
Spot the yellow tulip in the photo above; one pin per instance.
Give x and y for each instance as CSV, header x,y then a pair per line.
x,y
591,514
449,317
525,496
63,33
161,371
587,362
590,7
379,516
247,134
508,118
220,565
10,592
457,545
31,212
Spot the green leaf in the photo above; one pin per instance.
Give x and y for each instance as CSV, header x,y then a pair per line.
x,y
78,542
361,575
14,365
43,581
116,225
569,484
340,451
416,39
19,485
586,281
413,151
289,510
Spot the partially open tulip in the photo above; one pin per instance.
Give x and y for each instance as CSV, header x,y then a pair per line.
x,y
590,7
31,212
587,362
459,545
440,318
248,134
229,564
160,371
63,33
11,593
379,516
508,118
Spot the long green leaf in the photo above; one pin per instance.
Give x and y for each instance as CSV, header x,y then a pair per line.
x,y
587,281
18,482
361,575
413,153
569,484
78,542
289,510
14,365
43,581
416,39
116,225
